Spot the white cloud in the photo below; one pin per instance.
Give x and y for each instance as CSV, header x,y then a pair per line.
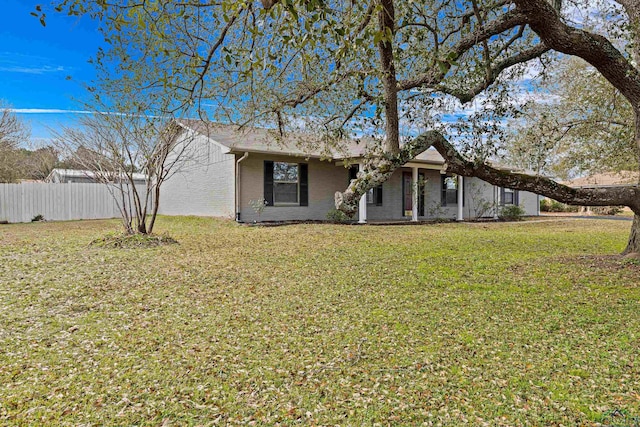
x,y
16,62
48,111
31,70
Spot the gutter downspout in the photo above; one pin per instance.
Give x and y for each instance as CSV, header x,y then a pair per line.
x,y
246,154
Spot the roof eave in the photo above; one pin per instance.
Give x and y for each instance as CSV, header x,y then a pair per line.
x,y
240,150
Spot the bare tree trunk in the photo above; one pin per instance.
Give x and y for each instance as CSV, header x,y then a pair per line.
x,y
155,205
140,214
142,228
125,213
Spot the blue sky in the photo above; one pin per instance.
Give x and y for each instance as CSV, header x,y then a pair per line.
x,y
43,69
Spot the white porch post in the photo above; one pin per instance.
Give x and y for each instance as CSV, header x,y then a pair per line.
x,y
362,206
496,195
460,198
414,194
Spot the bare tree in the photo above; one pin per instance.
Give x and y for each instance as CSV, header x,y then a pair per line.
x,y
116,148
13,132
39,162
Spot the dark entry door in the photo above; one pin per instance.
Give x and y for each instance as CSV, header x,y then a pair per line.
x,y
407,201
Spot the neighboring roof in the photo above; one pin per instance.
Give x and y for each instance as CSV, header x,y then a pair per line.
x,y
29,181
266,141
612,179
78,173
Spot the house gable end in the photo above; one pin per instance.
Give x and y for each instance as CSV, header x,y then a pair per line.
x,y
223,148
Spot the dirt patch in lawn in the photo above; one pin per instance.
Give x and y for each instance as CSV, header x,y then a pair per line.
x,y
132,241
609,263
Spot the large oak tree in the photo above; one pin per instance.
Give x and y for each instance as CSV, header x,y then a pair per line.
x,y
384,68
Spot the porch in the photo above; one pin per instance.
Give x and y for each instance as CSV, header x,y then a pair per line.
x,y
416,192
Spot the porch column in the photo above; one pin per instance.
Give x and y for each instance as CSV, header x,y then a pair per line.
x,y
496,195
414,194
362,206
460,198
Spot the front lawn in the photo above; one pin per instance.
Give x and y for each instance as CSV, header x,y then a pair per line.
x,y
487,324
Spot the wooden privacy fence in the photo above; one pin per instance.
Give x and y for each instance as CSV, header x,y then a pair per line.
x,y
57,202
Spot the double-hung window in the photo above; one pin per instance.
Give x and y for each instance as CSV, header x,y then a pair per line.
x,y
509,196
449,190
286,184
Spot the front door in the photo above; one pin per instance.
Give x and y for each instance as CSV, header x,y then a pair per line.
x,y
407,199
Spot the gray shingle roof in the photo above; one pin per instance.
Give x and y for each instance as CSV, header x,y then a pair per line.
x,y
267,141
610,179
78,173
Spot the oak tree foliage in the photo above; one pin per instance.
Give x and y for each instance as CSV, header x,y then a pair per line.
x,y
578,124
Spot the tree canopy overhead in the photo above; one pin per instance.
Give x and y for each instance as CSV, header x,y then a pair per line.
x,y
341,66
380,68
579,123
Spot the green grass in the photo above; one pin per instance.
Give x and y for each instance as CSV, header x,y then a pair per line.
x,y
494,324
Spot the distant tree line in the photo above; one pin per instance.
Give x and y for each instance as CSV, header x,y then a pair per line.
x,y
19,163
